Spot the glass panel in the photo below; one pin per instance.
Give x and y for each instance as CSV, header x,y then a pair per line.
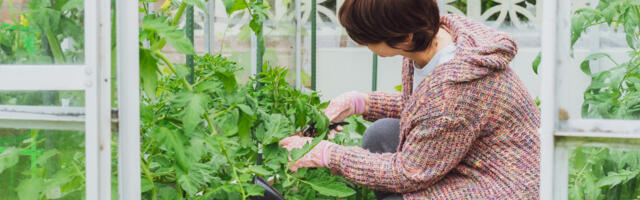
x,y
599,74
604,169
233,39
43,98
342,65
39,164
280,37
41,32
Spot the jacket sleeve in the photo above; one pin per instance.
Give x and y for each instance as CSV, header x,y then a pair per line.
x,y
430,151
383,105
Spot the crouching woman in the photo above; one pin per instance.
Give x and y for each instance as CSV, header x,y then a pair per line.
x,y
464,126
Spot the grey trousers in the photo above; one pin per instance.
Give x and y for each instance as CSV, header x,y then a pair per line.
x,y
383,137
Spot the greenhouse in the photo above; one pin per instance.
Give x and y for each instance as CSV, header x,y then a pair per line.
x,y
319,99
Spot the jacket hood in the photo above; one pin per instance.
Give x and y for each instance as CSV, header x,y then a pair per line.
x,y
480,50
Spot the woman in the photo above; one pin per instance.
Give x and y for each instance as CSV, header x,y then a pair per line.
x,y
467,127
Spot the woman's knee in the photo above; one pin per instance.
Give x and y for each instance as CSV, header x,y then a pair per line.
x,y
381,134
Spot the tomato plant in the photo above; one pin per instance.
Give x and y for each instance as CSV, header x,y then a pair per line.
x,y
36,34
615,92
202,140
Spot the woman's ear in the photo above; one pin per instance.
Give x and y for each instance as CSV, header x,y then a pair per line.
x,y
409,38
407,43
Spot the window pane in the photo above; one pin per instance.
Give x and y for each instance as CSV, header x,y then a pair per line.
x,y
342,64
598,74
604,169
39,164
280,38
43,98
41,32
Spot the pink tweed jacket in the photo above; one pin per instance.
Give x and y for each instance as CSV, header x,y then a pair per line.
x,y
468,132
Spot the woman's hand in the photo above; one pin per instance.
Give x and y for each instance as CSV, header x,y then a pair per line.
x,y
317,157
345,105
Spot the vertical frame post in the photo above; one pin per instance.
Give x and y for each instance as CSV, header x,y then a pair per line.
x,y
129,97
260,47
189,32
209,30
374,75
298,45
314,35
547,96
92,155
104,98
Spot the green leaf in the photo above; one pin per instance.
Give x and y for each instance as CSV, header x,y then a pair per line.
x,y
246,109
30,188
175,145
148,72
168,193
29,43
254,190
585,65
73,4
146,185
171,34
234,5
9,158
331,188
229,122
274,129
42,159
194,105
615,178
244,128
609,13
199,176
259,170
536,63
398,88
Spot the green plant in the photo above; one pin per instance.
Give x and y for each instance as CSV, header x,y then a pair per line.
x,y
604,173
35,36
31,170
613,92
201,140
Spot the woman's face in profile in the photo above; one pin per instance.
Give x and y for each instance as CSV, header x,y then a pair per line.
x,y
384,50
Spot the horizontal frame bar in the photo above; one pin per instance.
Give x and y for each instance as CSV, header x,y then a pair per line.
x,y
570,142
600,125
43,77
41,125
597,134
42,113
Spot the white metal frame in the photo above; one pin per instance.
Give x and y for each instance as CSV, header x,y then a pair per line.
x,y
129,100
558,138
94,79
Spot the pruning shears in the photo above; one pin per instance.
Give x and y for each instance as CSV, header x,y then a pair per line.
x,y
311,131
271,193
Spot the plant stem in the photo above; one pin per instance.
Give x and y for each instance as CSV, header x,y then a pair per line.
x,y
233,168
176,19
54,44
173,69
149,177
585,167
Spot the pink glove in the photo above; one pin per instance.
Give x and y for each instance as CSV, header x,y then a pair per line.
x,y
345,105
317,157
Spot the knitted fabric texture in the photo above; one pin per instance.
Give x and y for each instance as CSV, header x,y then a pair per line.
x,y
468,132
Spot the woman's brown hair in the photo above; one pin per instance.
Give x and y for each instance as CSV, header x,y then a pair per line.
x,y
391,21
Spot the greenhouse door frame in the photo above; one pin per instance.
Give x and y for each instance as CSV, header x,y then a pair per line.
x,y
555,143
94,79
